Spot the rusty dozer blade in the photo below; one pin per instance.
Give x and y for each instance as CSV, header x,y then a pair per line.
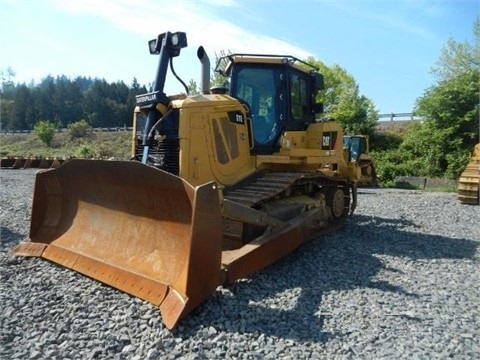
x,y
131,226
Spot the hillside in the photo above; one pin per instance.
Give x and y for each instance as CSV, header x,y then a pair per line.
x,y
115,144
397,127
95,144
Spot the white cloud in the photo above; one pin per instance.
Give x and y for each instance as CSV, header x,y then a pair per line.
x,y
201,20
148,18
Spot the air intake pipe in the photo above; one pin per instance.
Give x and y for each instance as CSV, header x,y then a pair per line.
x,y
205,75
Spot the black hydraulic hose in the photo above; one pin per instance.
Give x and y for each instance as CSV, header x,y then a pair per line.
x,y
147,137
178,78
151,117
152,114
157,124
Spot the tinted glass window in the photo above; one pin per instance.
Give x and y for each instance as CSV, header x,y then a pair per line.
x,y
299,96
256,86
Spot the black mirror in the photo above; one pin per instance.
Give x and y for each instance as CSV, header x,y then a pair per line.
x,y
319,83
318,108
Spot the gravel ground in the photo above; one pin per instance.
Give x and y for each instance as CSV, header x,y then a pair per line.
x,y
401,280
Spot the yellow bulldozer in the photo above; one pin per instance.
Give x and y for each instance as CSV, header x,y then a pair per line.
x,y
469,182
221,184
358,149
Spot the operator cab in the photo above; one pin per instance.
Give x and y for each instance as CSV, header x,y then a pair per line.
x,y
355,145
279,90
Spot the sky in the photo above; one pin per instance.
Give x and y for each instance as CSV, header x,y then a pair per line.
x,y
389,47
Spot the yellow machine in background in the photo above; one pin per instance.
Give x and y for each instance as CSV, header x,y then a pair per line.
x,y
358,148
469,181
221,184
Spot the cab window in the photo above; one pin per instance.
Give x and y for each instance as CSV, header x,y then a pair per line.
x,y
256,86
299,96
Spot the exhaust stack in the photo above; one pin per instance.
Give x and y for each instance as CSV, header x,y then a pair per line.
x,y
205,75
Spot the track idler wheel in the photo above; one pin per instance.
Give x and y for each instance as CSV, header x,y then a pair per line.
x,y
336,200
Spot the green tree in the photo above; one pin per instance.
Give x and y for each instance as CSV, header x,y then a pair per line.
x,y
7,94
193,88
65,101
343,102
43,95
459,57
438,147
7,75
451,109
97,111
134,90
86,152
24,114
78,129
451,127
45,130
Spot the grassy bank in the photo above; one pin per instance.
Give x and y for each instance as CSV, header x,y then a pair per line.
x,y
95,144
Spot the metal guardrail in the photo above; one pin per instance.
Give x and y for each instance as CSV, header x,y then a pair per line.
x,y
400,116
63,130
